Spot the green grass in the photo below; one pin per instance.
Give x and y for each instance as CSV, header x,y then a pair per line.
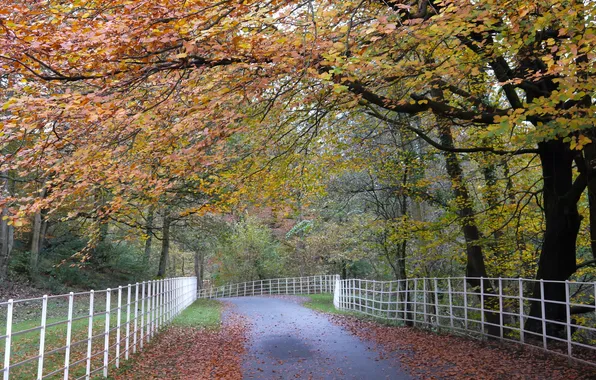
x,y
203,313
322,302
26,345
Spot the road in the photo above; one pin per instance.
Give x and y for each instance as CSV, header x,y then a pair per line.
x,y
290,341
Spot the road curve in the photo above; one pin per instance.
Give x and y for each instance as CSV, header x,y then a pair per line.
x,y
290,341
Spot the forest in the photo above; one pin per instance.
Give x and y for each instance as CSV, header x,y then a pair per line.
x,y
243,140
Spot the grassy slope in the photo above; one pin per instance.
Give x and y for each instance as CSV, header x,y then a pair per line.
x,y
203,313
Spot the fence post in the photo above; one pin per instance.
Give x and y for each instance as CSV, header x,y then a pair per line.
x,y
8,339
150,307
68,334
106,346
521,310
159,303
89,336
450,302
568,308
366,296
465,303
136,327
543,307
141,331
127,342
389,300
398,305
415,315
482,305
359,294
336,293
436,283
424,300
501,306
118,325
42,336
168,300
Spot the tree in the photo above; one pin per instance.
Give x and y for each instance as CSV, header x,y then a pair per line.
x,y
487,78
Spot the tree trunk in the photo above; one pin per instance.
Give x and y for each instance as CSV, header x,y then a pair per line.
x,y
557,258
199,269
590,159
475,267
35,237
492,200
172,263
5,231
165,245
36,240
149,233
402,249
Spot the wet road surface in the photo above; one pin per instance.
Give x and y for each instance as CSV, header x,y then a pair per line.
x,y
290,341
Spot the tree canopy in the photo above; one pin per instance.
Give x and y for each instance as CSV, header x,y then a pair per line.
x,y
447,113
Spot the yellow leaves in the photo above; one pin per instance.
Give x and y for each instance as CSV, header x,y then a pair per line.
x,y
326,76
339,88
579,142
7,104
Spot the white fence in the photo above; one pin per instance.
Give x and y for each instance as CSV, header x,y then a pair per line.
x,y
504,312
81,335
286,286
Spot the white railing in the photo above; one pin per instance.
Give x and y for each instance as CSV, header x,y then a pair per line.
x,y
81,335
285,286
501,312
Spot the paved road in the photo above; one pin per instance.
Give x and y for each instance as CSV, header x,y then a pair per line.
x,y
289,341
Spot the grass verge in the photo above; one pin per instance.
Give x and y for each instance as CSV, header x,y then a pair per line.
x,y
322,302
203,313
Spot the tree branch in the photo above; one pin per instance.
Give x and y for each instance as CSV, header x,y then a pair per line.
x,y
444,148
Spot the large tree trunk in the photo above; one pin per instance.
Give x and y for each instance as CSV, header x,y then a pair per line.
x,y
165,245
590,159
557,258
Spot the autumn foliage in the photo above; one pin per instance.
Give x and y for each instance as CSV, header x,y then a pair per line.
x,y
112,108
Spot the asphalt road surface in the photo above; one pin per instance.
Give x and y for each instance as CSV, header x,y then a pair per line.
x,y
290,341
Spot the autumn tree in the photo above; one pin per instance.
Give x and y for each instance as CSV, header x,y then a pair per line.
x,y
501,78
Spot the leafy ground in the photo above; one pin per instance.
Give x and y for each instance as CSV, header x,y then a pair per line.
x,y
429,355
195,346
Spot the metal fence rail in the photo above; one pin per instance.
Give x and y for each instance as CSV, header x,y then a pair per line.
x,y
502,312
81,335
285,286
